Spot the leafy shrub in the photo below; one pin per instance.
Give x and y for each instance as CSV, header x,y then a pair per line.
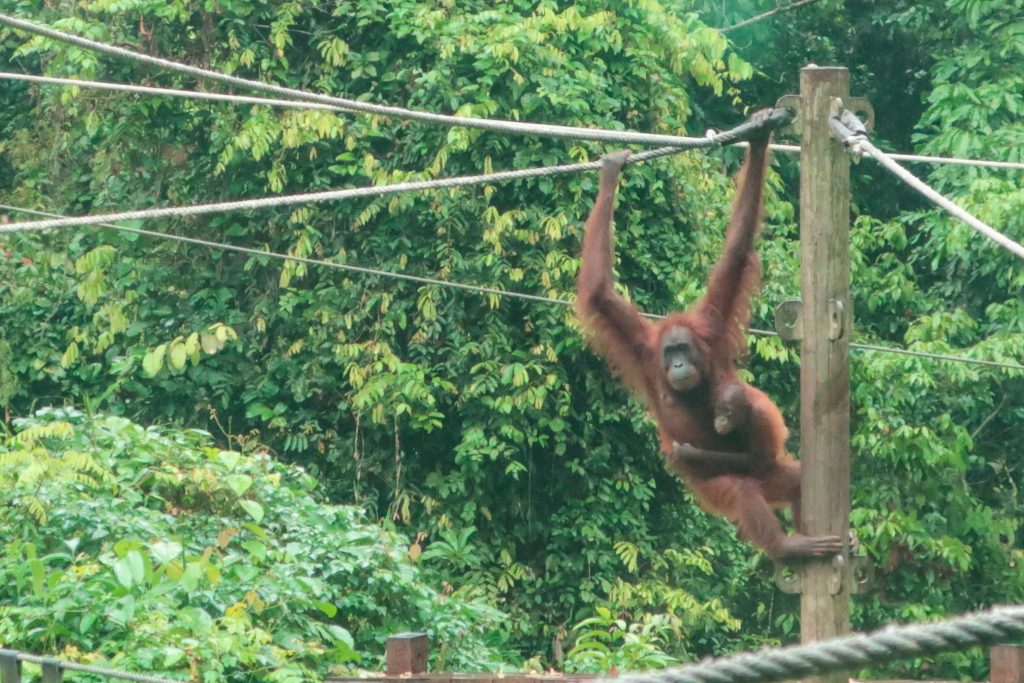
x,y
154,550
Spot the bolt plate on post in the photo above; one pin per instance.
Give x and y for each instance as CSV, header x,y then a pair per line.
x,y
789,580
789,320
858,105
836,320
791,102
861,105
858,573
862,574
835,581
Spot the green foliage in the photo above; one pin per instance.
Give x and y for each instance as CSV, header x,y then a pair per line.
x,y
604,643
433,408
480,425
152,549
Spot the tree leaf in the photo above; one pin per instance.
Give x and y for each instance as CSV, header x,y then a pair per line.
x,y
153,361
238,483
254,509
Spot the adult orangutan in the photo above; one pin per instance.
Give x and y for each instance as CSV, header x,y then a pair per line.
x,y
682,367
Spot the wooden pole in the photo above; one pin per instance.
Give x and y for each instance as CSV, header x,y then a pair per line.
x,y
824,351
407,653
10,667
1006,664
52,673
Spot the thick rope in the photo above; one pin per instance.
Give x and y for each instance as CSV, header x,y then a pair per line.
x,y
850,130
997,626
918,158
957,161
296,104
863,146
98,670
519,127
778,117
329,195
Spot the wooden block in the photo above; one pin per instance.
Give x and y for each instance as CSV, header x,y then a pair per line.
x,y
1006,664
10,667
407,654
52,673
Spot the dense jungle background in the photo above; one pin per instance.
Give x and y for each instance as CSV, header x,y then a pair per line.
x,y
334,457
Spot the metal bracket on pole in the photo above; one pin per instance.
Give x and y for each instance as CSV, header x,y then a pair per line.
x,y
861,105
791,102
857,105
789,320
858,574
789,580
836,319
862,574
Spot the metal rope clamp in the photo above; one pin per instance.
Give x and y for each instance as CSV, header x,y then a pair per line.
x,y
856,104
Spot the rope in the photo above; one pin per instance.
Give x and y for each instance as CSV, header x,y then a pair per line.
x,y
330,195
935,356
850,130
478,288
568,132
98,670
864,146
295,104
877,348
313,262
996,626
148,90
765,15
993,627
777,118
957,161
918,158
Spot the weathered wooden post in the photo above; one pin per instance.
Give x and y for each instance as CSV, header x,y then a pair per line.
x,y
406,653
827,317
10,667
52,671
1006,664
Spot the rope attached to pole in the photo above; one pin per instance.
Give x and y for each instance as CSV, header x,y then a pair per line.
x,y
997,626
317,197
849,130
329,195
479,289
523,128
994,627
296,104
777,118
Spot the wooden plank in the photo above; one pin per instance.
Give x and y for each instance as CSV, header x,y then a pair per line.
x,y
406,653
52,673
10,667
1006,664
507,677
824,360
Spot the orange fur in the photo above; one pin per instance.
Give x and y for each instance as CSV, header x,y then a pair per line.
x,y
632,345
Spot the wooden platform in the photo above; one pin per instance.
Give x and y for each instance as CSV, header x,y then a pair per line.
x,y
407,655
